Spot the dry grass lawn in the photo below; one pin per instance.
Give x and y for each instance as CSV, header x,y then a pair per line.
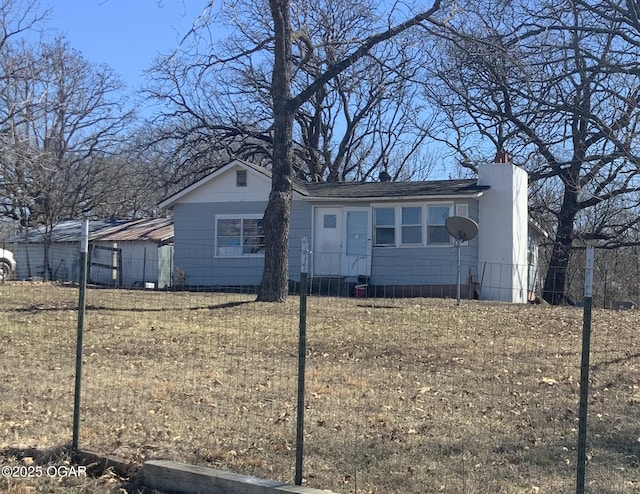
x,y
403,395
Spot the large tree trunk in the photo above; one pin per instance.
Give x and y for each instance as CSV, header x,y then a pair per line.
x,y
275,277
555,281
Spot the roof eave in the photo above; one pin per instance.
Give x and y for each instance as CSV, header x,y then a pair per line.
x,y
474,195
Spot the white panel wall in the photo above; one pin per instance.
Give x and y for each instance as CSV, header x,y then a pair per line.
x,y
502,236
224,189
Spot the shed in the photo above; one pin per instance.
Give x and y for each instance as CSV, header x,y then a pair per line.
x,y
121,252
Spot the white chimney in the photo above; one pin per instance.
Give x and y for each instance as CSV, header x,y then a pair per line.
x,y
503,232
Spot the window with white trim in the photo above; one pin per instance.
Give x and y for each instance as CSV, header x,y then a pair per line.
x,y
411,225
462,210
385,227
239,236
436,230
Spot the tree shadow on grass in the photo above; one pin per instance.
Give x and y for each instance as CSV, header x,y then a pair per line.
x,y
36,308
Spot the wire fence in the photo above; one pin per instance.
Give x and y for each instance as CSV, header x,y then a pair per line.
x,y
405,392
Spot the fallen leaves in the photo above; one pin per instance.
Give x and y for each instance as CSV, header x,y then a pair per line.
x,y
219,379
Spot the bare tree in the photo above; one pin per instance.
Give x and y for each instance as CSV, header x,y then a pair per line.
x,y
285,104
218,104
18,17
557,86
367,119
63,120
310,91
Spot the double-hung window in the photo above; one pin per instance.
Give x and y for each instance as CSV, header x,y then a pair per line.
x,y
436,231
385,227
239,236
411,225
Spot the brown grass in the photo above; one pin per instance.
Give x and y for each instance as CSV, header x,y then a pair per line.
x,y
403,396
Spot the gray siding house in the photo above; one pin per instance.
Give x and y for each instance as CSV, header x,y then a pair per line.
x,y
389,235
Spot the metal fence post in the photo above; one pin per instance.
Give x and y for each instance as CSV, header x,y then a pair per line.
x,y
584,374
302,355
84,244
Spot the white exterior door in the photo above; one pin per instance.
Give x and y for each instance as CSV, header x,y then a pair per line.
x,y
357,245
327,242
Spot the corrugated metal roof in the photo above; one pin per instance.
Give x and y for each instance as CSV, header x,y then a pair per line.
x,y
158,230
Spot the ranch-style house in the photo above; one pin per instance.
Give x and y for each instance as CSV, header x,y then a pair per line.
x,y
389,236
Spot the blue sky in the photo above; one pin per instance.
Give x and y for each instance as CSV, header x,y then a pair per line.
x,y
124,34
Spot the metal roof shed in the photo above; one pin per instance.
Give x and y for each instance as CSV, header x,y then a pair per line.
x,y
123,253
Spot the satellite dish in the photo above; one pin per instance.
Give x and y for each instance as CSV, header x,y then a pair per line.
x,y
462,229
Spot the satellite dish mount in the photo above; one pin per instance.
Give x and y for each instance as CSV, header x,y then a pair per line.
x,y
461,229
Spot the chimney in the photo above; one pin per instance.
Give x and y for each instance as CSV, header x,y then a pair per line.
x,y
502,216
501,157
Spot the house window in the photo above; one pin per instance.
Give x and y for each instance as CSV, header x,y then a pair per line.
x,y
411,225
436,231
241,178
239,236
385,227
330,221
406,225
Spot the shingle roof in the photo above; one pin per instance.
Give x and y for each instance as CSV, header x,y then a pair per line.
x,y
380,190
353,190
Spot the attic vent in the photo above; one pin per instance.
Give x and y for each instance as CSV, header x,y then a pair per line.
x,y
241,178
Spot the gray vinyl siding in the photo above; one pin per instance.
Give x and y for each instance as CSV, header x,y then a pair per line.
x,y
194,252
421,265
469,251
194,226
430,265
194,230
